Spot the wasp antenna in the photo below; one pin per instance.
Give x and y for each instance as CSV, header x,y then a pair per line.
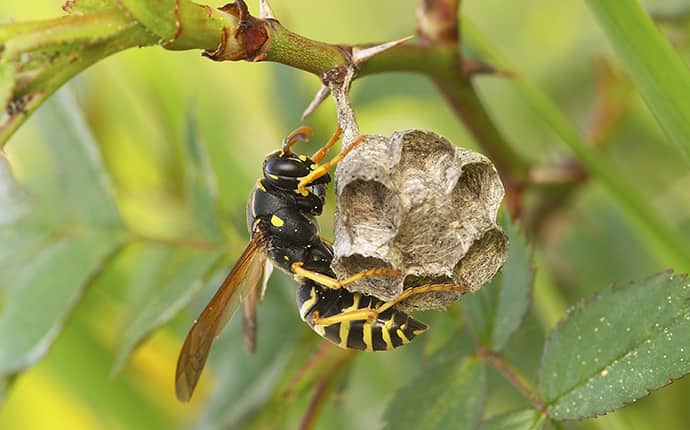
x,y
360,55
300,134
265,11
320,96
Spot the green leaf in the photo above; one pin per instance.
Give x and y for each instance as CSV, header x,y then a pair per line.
x,y
615,348
200,183
44,292
447,396
13,200
528,419
667,244
85,185
45,266
173,290
657,71
497,309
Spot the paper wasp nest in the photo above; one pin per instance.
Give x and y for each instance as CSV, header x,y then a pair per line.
x,y
419,204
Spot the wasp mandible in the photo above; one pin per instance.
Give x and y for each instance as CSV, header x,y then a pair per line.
x,y
281,213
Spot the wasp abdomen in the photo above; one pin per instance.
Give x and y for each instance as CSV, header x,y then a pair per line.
x,y
388,330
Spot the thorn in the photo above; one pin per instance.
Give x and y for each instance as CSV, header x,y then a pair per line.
x,y
265,11
471,68
320,96
360,55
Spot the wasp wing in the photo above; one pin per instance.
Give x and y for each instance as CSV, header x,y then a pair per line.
x,y
254,296
247,273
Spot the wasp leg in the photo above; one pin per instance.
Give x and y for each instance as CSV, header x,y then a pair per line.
x,y
324,168
330,282
318,155
298,135
373,314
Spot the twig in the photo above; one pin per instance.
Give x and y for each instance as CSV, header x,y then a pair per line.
x,y
513,376
320,394
323,389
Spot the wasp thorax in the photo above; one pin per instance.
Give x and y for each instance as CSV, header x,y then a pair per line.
x,y
419,204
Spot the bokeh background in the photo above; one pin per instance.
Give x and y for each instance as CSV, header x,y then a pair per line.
x,y
137,104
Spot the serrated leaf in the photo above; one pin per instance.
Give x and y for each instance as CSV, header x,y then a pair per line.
x,y
86,187
528,419
615,348
447,396
200,183
44,293
174,293
497,309
45,266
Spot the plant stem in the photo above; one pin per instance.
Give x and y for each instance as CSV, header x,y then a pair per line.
x,y
296,51
512,376
324,387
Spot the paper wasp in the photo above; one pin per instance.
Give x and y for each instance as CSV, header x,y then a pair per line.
x,y
281,215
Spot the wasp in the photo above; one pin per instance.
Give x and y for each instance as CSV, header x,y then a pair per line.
x,y
281,213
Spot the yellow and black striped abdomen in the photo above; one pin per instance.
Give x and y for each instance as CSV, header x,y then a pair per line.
x,y
388,330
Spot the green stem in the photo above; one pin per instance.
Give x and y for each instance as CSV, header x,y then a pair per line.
x,y
302,53
512,376
53,77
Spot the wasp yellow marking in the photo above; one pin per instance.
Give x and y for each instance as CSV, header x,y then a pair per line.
x,y
260,184
402,336
344,333
273,176
251,205
311,301
304,192
386,334
277,221
355,303
390,322
286,258
321,330
367,337
416,332
303,157
314,166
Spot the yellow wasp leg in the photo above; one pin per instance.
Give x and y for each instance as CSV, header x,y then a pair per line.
x,y
373,314
330,282
318,155
321,170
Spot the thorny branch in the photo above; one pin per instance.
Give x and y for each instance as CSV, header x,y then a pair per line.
x,y
72,43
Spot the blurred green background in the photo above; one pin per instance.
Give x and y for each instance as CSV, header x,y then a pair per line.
x,y
137,104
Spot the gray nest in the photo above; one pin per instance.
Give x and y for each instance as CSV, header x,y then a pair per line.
x,y
416,203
